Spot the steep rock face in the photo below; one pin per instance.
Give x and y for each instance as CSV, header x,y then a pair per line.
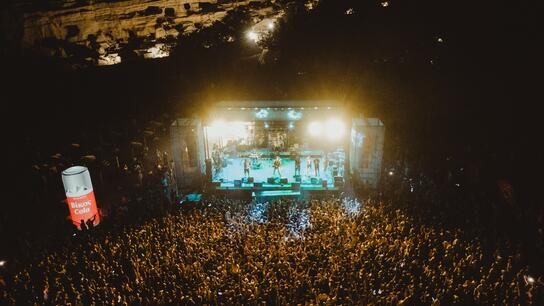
x,y
105,26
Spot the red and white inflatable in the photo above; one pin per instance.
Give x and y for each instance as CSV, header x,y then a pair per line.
x,y
80,195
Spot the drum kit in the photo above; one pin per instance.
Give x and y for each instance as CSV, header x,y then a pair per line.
x,y
255,161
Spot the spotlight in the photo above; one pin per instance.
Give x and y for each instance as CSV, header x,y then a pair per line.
x,y
315,128
219,123
266,125
252,35
391,173
263,113
270,25
294,115
335,129
2,263
530,279
291,125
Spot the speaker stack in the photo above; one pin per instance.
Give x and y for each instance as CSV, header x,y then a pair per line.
x,y
258,185
324,183
283,180
295,186
271,180
250,179
338,181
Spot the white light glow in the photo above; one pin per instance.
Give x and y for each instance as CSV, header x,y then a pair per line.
x,y
2,263
315,128
294,115
270,25
391,173
252,35
263,113
221,132
335,129
385,3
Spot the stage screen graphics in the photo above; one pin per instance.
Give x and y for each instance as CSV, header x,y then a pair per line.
x,y
80,196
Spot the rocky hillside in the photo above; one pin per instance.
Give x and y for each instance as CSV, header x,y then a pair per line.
x,y
97,30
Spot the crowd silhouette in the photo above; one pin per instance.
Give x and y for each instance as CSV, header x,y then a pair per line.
x,y
337,250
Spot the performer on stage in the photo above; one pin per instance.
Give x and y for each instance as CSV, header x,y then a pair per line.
x,y
246,167
308,165
297,165
277,165
316,167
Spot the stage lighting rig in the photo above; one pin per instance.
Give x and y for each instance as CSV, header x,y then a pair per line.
x,y
315,128
261,114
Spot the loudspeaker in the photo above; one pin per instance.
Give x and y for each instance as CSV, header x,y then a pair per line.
x,y
258,185
324,183
314,180
209,169
295,186
283,180
298,178
271,180
237,183
338,181
250,179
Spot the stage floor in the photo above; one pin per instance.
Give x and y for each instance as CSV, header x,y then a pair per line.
x,y
235,171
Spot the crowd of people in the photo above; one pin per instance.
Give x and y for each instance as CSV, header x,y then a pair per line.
x,y
338,250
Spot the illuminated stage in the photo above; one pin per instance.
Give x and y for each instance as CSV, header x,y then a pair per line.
x,y
254,147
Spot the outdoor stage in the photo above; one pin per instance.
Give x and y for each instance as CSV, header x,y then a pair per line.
x,y
234,170
252,134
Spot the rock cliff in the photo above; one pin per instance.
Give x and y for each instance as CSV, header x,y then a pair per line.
x,y
102,28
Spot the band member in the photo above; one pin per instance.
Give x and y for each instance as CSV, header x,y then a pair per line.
x,y
316,166
277,165
246,167
308,165
297,165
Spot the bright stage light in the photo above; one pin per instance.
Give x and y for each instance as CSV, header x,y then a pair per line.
x,y
315,128
252,35
291,125
263,113
294,115
270,25
335,129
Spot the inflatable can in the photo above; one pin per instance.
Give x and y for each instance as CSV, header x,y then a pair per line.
x,y
80,196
